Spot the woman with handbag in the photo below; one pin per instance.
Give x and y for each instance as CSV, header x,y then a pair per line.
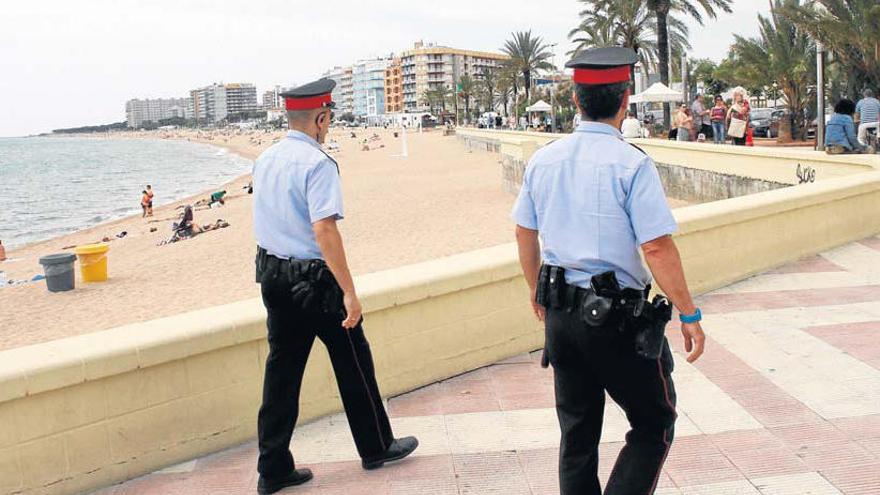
x,y
738,117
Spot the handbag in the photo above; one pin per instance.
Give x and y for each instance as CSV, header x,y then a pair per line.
x,y
737,128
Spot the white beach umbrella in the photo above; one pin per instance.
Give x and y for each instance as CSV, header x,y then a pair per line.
x,y
658,92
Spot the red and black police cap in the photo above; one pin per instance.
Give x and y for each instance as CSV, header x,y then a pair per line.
x,y
316,94
607,65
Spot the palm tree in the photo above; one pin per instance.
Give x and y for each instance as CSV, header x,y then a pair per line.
x,y
626,23
436,98
528,54
466,89
488,85
850,29
782,53
662,9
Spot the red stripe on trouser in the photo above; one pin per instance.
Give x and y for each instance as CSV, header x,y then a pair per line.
x,y
665,432
367,389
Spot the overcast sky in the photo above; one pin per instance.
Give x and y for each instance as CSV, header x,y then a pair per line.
x,y
68,63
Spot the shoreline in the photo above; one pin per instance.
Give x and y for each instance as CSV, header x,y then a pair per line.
x,y
111,223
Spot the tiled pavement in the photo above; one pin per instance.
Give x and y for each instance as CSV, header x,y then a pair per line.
x,y
786,401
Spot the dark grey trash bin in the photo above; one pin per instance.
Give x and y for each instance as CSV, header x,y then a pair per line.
x,y
60,276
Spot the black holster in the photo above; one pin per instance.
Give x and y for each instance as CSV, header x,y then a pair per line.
x,y
649,327
313,287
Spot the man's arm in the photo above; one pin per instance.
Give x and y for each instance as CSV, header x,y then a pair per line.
x,y
663,259
530,260
330,242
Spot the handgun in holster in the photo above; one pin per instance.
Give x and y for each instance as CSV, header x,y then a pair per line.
x,y
651,327
598,303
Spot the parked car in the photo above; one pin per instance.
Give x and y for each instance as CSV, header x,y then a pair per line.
x,y
765,121
811,128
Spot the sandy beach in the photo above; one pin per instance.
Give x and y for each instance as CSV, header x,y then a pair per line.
x,y
439,201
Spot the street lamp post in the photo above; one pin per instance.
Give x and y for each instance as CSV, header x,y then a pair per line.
x,y
553,93
820,96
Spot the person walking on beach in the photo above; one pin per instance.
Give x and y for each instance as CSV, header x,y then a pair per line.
x,y
594,200
145,203
308,292
150,202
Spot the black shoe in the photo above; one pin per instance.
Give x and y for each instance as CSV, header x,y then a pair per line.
x,y
399,449
266,486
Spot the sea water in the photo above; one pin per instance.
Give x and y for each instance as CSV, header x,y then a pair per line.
x,y
50,186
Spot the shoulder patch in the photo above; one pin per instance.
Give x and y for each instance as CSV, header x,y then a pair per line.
x,y
636,147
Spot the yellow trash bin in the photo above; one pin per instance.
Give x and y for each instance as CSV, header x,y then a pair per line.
x,y
93,262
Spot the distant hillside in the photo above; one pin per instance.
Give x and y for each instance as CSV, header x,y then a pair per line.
x,y
117,126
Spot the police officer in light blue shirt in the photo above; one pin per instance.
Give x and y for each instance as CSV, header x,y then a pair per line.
x,y
595,201
308,292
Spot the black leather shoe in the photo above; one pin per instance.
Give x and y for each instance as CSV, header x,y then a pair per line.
x,y
266,486
399,449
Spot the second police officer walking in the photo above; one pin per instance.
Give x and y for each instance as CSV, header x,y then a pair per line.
x,y
308,292
594,200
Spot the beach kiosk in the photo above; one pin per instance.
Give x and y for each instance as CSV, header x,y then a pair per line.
x,y
539,106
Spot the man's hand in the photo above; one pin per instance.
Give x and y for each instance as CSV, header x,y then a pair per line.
x,y
694,340
353,310
537,308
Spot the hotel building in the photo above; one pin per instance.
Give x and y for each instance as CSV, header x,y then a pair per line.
x,y
429,66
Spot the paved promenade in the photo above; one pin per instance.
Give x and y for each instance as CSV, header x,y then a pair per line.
x,y
786,401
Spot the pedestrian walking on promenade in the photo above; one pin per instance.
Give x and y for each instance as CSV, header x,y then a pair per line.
x,y
594,200
308,292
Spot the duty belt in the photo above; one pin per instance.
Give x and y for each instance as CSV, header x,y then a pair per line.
x,y
313,287
608,306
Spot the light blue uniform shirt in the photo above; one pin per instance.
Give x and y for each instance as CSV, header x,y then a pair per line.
x,y
594,199
295,185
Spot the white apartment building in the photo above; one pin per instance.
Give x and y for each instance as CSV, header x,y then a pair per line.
x,y
138,111
214,103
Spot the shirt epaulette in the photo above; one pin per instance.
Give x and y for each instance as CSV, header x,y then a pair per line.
x,y
636,147
331,159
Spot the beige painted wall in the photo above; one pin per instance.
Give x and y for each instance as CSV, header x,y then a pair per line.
x,y
87,411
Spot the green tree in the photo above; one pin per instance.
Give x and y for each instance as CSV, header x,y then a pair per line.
x,y
528,54
851,31
783,53
662,9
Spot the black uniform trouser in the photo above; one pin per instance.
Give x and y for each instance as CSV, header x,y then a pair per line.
x,y
587,362
291,335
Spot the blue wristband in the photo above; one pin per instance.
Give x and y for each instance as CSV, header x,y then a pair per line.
x,y
691,318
